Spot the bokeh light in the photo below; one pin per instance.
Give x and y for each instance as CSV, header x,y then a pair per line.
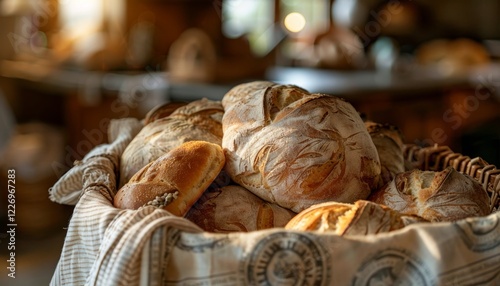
x,y
295,22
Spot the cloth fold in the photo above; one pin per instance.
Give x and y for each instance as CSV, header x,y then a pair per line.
x,y
68,189
104,245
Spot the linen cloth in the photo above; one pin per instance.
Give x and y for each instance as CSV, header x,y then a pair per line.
x,y
103,244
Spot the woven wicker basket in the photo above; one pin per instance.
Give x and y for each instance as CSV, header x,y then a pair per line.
x,y
437,158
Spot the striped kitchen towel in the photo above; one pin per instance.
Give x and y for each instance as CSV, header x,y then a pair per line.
x,y
105,245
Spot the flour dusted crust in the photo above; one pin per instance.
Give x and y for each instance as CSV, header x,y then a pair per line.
x,y
388,140
198,120
162,111
296,149
233,208
185,172
447,195
360,218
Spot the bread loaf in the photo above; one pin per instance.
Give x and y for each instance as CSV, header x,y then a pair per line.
x,y
174,181
198,120
388,140
435,196
296,149
361,218
452,57
162,111
233,208
192,57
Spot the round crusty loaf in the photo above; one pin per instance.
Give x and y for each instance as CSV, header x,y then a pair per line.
x,y
176,180
233,208
296,149
162,111
435,196
388,140
198,120
361,218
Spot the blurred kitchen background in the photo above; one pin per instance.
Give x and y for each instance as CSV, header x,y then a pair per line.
x,y
67,67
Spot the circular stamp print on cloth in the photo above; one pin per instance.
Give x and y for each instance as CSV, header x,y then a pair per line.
x,y
287,258
480,234
392,267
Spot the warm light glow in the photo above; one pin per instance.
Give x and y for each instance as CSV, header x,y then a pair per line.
x,y
295,22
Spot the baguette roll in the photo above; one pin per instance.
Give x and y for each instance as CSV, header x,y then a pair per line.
x,y
174,181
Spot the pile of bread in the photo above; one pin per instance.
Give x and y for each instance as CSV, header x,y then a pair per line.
x,y
453,57
270,155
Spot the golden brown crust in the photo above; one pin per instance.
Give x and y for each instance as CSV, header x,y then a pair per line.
x,y
320,217
436,196
233,208
205,114
188,169
361,218
198,120
297,149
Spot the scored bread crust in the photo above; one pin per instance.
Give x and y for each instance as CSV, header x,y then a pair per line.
x,y
361,218
447,195
389,142
188,169
233,208
198,120
162,111
296,149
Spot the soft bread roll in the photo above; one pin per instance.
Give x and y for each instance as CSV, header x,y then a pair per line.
x,y
388,140
297,149
198,120
176,180
233,208
361,218
435,196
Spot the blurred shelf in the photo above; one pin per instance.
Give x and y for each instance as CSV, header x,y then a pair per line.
x,y
349,84
356,84
423,102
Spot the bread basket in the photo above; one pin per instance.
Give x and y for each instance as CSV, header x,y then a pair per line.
x,y
149,246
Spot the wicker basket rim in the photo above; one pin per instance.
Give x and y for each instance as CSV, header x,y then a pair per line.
x,y
437,158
